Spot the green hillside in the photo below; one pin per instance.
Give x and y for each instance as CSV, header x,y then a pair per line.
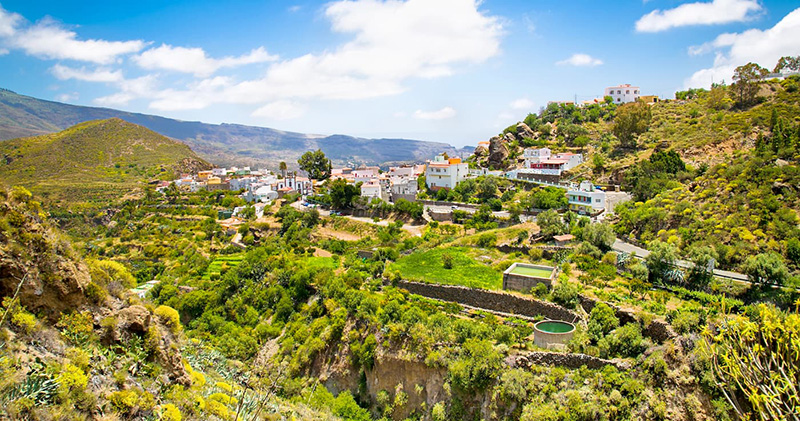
x,y
706,169
98,159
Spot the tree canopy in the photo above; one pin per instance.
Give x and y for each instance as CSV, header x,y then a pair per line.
x,y
316,164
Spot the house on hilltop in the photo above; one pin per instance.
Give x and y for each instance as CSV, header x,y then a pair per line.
x,y
623,94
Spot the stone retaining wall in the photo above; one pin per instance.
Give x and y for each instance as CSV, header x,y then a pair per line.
x,y
561,360
658,330
491,300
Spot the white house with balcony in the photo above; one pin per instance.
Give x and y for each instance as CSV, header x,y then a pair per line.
x,y
444,173
586,200
623,94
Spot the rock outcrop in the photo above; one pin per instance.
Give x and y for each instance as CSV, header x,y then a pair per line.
x,y
498,152
523,131
35,260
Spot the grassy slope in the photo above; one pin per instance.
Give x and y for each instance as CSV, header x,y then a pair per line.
x,y
426,266
91,158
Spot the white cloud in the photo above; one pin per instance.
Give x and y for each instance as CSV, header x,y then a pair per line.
x,y
48,40
443,114
281,110
195,60
98,75
294,9
764,47
130,89
67,97
3,51
8,22
521,104
715,12
580,60
392,42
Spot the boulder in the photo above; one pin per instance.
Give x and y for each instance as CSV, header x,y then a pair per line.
x,y
134,319
498,151
523,131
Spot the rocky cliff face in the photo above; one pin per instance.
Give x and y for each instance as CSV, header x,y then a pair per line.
x,y
36,264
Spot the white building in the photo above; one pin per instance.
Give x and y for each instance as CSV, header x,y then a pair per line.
x,y
444,173
219,172
586,200
535,155
301,185
372,190
623,94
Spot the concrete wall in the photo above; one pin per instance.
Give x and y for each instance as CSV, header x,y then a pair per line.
x,y
523,283
491,300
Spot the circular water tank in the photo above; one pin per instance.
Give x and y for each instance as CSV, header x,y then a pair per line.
x,y
552,333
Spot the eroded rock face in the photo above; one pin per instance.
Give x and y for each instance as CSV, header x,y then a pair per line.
x,y
137,320
498,151
523,131
53,281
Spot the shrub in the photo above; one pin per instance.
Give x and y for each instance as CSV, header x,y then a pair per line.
x,y
535,254
77,327
72,378
24,321
601,321
566,294
169,412
486,240
170,317
447,260
95,293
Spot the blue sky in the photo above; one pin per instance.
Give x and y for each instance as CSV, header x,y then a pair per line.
x,y
456,71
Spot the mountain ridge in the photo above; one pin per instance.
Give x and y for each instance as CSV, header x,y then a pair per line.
x,y
223,144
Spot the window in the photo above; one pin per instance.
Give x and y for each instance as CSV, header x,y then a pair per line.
x,y
627,91
619,92
636,92
618,100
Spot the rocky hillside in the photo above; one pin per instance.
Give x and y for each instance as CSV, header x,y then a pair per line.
x,y
111,156
76,344
223,144
705,170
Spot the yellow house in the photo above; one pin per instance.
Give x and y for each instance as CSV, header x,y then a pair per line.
x,y
214,180
203,175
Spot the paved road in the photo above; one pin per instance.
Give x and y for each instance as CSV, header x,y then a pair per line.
x,y
643,253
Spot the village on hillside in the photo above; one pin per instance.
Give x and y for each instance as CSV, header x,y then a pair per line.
x,y
425,181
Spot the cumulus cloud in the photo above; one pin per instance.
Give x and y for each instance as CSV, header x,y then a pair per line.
x,y
764,47
195,60
49,40
97,75
281,110
521,104
443,114
130,89
8,22
700,13
67,97
3,51
392,42
580,60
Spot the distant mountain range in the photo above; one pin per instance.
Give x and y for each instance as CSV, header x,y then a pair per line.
x,y
96,160
221,144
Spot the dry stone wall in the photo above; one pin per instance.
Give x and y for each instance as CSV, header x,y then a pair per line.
x,y
491,300
561,359
657,330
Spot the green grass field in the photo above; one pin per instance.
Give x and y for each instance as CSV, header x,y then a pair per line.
x,y
539,273
426,266
232,260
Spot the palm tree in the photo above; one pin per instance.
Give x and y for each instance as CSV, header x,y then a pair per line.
x,y
282,167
